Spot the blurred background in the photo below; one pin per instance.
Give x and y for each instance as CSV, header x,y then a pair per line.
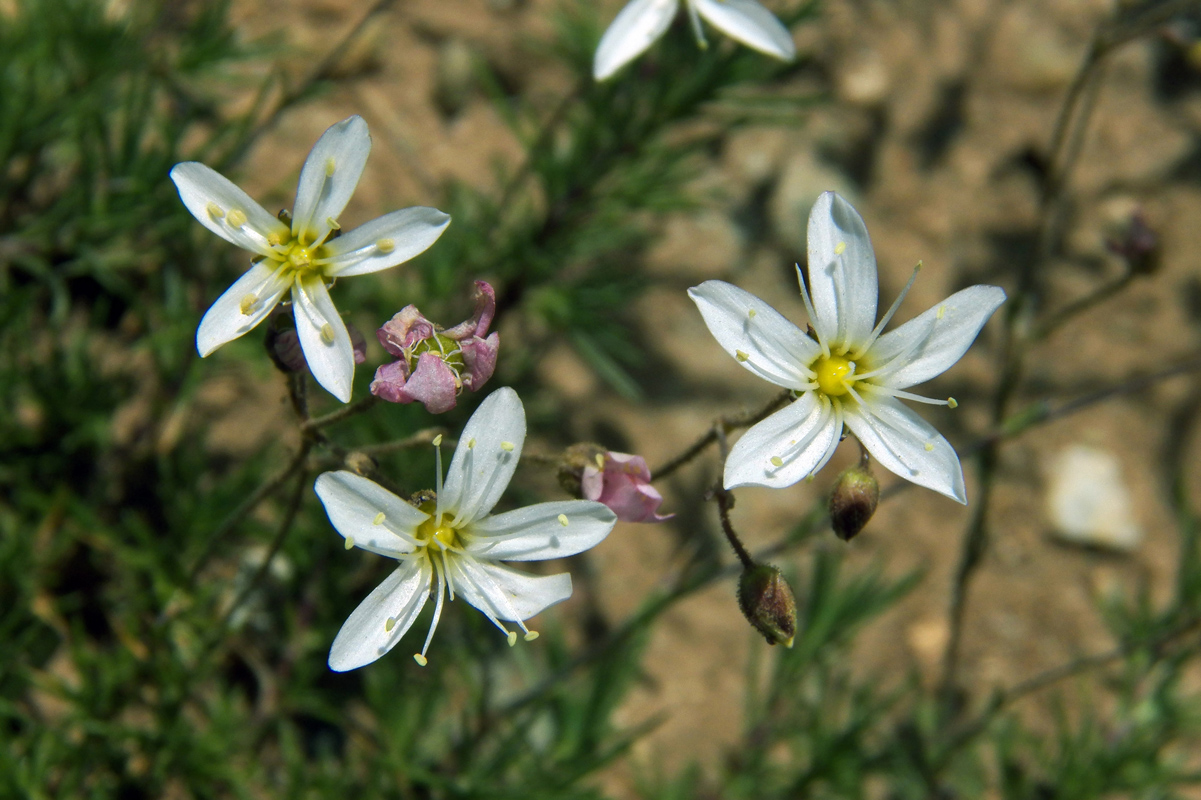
x,y
169,586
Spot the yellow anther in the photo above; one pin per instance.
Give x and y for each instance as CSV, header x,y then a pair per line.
x,y
385,245
600,461
942,311
929,447
741,355
236,218
349,543
506,446
333,224
563,520
512,638
832,374
776,461
751,313
389,624
214,211
327,333
840,248
530,636
420,659
952,402
379,519
471,443
330,166
274,239
247,305
438,440
808,479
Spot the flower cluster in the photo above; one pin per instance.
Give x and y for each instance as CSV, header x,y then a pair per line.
x,y
435,365
844,372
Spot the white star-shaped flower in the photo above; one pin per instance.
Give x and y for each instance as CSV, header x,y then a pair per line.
x,y
851,374
306,257
452,545
641,22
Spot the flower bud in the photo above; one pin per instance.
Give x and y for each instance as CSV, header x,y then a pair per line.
x,y
853,501
766,601
619,480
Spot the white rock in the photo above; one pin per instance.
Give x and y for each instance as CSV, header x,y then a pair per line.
x,y
1087,501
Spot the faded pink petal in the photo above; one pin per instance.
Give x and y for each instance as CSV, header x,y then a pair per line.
x,y
389,382
624,486
432,384
406,328
479,360
485,309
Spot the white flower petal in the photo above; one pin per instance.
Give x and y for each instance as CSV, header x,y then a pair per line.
x,y
210,196
505,593
755,334
366,635
546,530
384,242
906,445
785,447
323,337
842,272
367,514
947,330
749,23
328,178
485,458
633,30
243,306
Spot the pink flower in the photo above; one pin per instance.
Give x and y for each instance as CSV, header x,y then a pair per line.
x,y
622,482
434,364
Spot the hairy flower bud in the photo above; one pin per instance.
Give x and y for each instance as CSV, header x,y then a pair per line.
x,y
853,501
766,601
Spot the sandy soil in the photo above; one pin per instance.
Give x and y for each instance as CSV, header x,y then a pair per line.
x,y
939,106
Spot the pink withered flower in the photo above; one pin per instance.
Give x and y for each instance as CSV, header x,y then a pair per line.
x,y
436,364
622,482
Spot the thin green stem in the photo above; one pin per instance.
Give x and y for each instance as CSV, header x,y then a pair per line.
x,y
721,427
353,409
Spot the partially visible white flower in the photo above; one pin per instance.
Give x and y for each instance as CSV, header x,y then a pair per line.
x,y
641,22
306,257
452,545
851,374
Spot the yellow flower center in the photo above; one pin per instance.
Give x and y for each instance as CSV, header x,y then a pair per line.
x,y
300,257
835,375
444,536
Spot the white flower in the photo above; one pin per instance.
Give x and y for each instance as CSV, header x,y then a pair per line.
x,y
643,21
307,256
851,374
451,544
